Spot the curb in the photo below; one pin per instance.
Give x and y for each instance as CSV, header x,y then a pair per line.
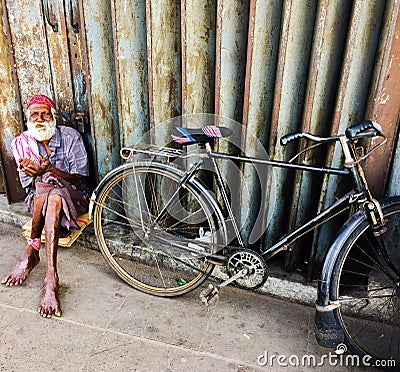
x,y
286,289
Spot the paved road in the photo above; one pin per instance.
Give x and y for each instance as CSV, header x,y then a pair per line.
x,y
107,325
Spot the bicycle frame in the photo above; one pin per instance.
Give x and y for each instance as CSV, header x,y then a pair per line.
x,y
340,206
357,196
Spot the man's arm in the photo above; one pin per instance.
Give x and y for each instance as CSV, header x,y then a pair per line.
x,y
32,169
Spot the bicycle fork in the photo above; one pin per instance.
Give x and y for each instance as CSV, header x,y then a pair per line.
x,y
377,223
371,207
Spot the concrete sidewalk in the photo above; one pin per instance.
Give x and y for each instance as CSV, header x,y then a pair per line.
x,y
106,325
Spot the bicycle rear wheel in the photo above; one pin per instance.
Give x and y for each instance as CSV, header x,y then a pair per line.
x,y
367,286
154,232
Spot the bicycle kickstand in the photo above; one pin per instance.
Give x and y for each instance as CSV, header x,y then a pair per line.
x,y
211,293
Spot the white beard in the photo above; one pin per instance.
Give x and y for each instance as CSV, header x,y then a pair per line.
x,y
41,131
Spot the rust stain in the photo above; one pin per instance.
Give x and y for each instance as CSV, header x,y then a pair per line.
x,y
384,99
79,51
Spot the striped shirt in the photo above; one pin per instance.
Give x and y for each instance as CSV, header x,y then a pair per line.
x,y
68,152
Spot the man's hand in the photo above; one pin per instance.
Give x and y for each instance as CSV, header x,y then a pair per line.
x,y
32,169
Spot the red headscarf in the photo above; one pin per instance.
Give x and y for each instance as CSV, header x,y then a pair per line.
x,y
41,99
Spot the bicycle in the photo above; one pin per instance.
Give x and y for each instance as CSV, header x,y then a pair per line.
x,y
163,231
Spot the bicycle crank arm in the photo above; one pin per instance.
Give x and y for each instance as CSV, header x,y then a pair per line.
x,y
211,293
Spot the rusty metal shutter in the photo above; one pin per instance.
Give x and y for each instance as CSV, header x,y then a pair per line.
x,y
275,66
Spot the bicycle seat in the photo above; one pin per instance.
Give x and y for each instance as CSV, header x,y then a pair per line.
x,y
188,136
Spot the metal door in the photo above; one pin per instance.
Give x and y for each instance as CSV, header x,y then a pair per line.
x,y
277,66
44,42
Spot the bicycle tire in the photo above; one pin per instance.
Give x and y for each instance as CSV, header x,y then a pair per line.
x,y
154,262
368,290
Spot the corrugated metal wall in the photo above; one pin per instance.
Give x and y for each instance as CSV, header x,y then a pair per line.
x,y
276,66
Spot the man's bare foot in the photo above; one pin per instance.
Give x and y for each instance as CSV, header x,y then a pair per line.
x,y
22,268
50,304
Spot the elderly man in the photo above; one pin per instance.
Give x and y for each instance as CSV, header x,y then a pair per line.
x,y
52,164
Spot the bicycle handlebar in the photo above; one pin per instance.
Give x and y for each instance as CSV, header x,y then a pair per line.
x,y
360,130
290,137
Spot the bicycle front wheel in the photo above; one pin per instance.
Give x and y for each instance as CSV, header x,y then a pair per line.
x,y
366,283
155,232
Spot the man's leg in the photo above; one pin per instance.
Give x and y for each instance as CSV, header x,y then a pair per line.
x,y
30,258
50,303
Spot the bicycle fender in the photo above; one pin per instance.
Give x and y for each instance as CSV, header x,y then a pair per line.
x,y
328,332
327,329
332,255
333,252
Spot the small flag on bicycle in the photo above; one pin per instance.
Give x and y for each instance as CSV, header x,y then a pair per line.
x,y
212,131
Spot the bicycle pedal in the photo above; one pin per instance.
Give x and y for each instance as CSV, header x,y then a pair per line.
x,y
213,299
209,294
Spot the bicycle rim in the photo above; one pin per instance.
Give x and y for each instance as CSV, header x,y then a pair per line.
x,y
163,258
367,288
